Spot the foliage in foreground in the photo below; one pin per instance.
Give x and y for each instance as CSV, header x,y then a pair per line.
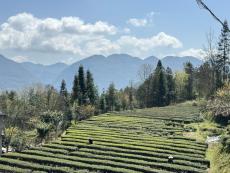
x,y
220,104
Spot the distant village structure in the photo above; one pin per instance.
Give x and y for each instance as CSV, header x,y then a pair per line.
x,y
2,116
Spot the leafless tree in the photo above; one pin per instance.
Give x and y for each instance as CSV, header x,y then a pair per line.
x,y
202,5
145,71
210,47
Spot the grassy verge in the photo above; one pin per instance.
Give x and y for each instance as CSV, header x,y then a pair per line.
x,y
219,160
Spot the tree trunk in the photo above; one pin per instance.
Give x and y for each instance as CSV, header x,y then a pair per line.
x,y
0,142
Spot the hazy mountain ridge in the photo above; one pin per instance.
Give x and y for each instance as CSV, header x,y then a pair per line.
x,y
44,73
14,75
117,68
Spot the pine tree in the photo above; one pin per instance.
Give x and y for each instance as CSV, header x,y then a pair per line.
x,y
205,84
63,90
189,70
111,97
159,86
90,88
131,96
64,97
64,104
102,103
170,85
128,94
222,59
81,77
75,90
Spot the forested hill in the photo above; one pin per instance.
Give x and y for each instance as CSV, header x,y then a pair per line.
x,y
105,70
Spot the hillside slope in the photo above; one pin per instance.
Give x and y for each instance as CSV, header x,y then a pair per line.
x,y
13,75
45,74
129,142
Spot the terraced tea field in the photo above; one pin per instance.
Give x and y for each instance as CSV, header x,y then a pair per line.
x,y
129,142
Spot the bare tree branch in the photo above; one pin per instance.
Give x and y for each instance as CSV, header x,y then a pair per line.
x,y
201,4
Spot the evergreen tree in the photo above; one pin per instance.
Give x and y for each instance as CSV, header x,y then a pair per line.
x,y
159,86
129,91
189,70
63,90
205,84
90,88
143,93
64,101
82,93
170,85
181,79
75,90
222,59
102,103
111,97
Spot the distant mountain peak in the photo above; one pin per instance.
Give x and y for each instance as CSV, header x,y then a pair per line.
x,y
117,68
151,58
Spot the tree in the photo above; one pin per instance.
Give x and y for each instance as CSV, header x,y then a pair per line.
x,y
204,6
42,131
128,96
10,134
159,88
65,105
90,88
82,112
102,103
82,86
52,98
63,90
223,55
64,100
54,119
75,90
145,93
204,80
208,70
125,100
180,81
145,71
189,70
170,86
111,97
219,106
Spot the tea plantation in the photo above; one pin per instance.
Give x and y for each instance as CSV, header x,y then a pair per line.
x,y
137,141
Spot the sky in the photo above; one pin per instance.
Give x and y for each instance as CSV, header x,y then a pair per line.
x,y
54,31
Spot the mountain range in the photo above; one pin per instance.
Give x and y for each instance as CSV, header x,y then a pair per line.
x,y
117,68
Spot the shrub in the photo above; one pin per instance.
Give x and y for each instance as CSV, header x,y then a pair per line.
x,y
219,106
226,143
82,112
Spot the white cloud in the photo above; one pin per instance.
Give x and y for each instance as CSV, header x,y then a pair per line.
x,y
159,40
72,37
199,53
137,22
141,22
24,31
146,46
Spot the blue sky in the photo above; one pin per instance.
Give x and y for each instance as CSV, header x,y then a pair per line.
x,y
66,31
